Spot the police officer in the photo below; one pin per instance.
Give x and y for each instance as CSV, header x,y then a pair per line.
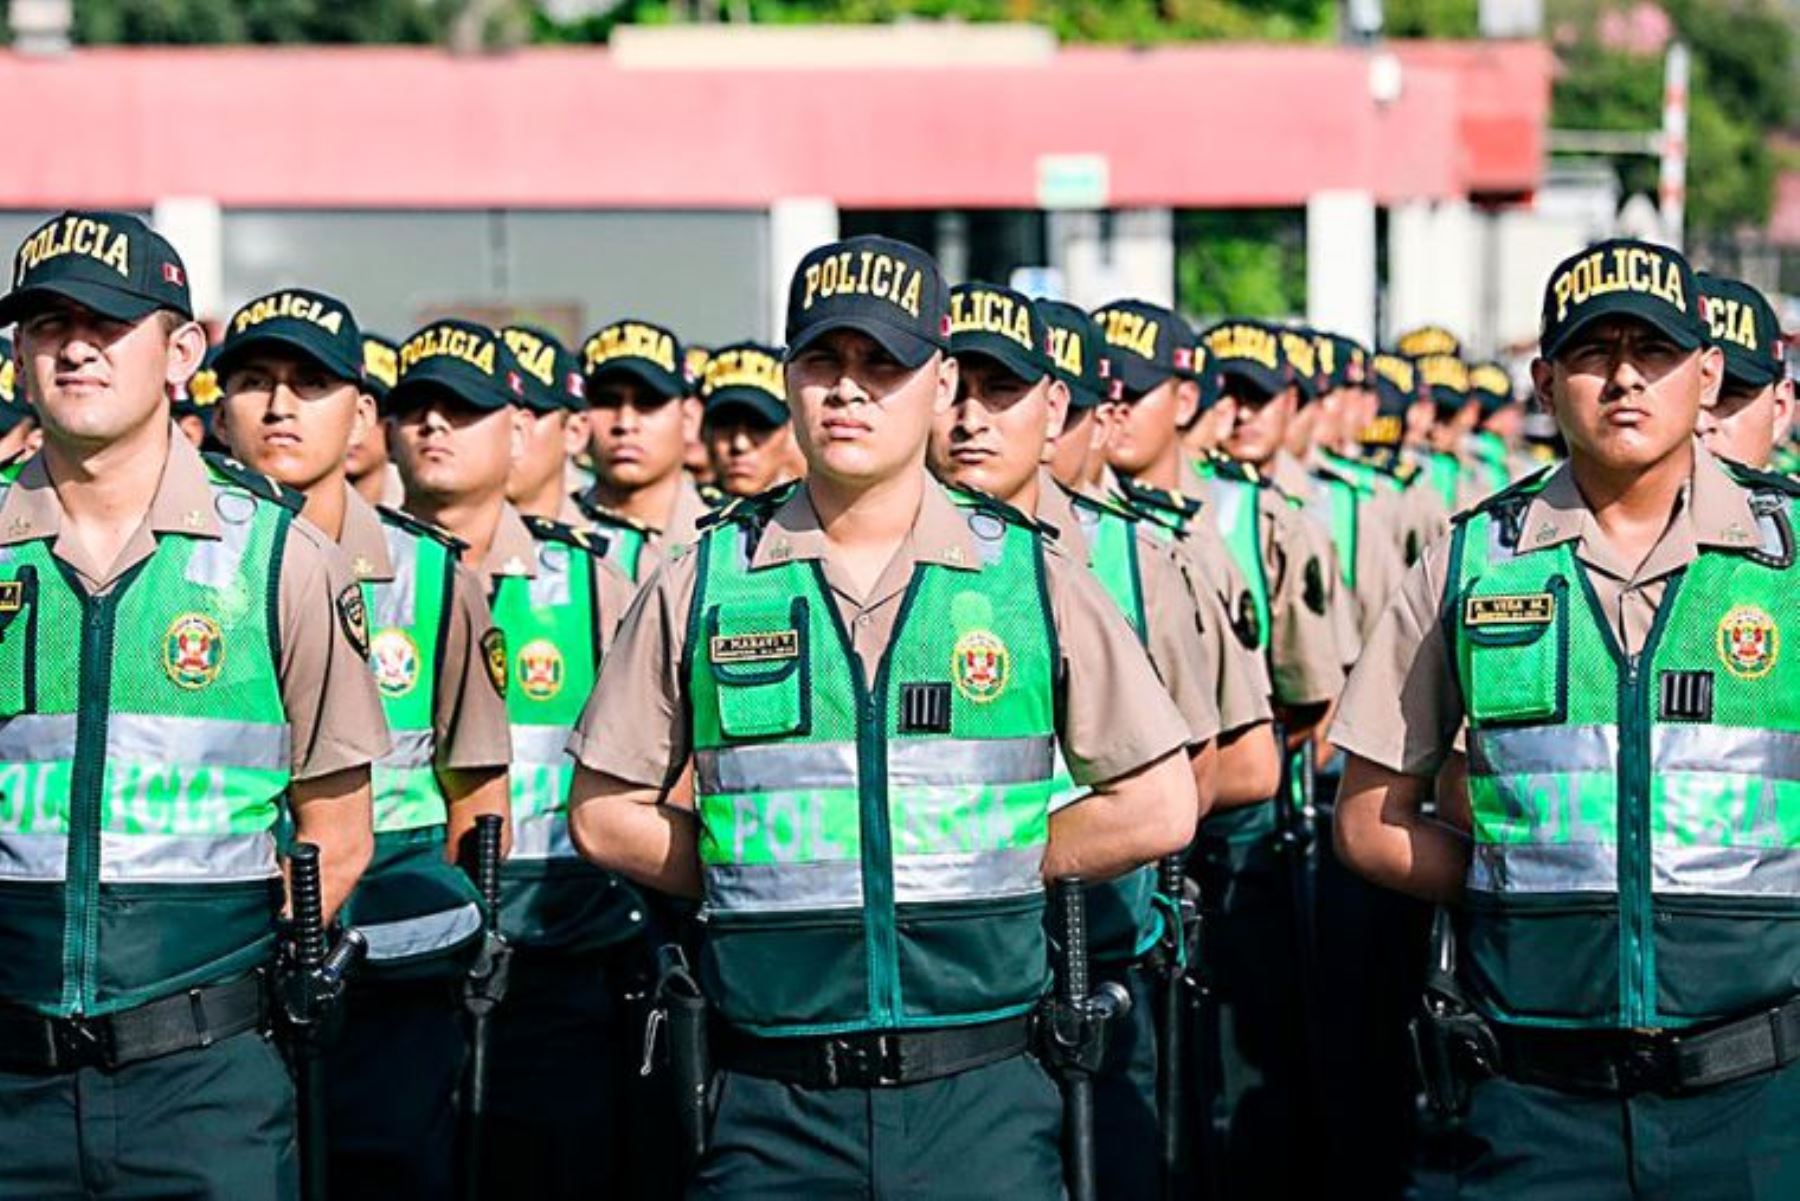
x,y
369,468
745,424
640,421
870,710
1392,458
556,404
458,424
182,661
1755,409
291,365
1493,448
19,433
1607,638
1014,391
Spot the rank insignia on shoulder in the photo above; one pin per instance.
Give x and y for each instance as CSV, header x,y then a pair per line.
x,y
1532,608
772,646
353,615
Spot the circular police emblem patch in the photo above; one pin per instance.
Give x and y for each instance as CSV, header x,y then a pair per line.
x,y
1749,641
394,658
540,669
980,666
193,650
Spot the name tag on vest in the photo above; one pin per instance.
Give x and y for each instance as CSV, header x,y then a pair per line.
x,y
755,648
12,596
1534,609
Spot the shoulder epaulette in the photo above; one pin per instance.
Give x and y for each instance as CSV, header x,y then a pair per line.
x,y
1514,497
421,527
1756,479
545,530
1137,496
255,482
1331,475
1111,508
1229,468
759,507
595,511
713,496
983,502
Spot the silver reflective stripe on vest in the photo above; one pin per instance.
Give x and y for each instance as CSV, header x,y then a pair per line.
x,y
777,767
543,836
396,600
540,744
1545,867
411,750
1726,871
912,763
169,858
38,738
774,887
549,588
198,741
960,762
1544,750
1734,750
214,562
34,856
983,875
423,935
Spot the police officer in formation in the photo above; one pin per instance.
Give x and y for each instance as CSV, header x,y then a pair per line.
x,y
993,593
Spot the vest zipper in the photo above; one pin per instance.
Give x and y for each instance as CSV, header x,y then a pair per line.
x,y
1637,931
87,780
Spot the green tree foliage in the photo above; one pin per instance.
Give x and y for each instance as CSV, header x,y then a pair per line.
x,y
1432,18
1742,90
198,22
1249,263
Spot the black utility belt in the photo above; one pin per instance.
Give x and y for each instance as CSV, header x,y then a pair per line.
x,y
875,1059
1670,1062
196,1018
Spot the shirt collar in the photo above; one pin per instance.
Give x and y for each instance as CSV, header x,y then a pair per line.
x,y
513,551
363,542
1056,508
182,503
939,534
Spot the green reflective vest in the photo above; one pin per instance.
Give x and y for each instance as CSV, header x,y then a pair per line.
x,y
1488,462
872,851
1636,819
418,912
617,538
1442,472
549,895
1342,501
144,755
1123,921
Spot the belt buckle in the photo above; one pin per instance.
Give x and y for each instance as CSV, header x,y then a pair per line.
x,y
869,1061
81,1042
1646,1063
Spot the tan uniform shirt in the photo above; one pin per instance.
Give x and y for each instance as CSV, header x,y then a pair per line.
x,y
468,711
333,711
1403,708
1378,567
681,529
1186,661
1115,719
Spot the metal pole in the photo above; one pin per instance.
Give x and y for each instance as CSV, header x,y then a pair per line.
x,y
1672,179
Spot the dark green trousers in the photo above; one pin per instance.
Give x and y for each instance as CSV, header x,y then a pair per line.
x,y
1739,1142
988,1134
1127,1130
215,1124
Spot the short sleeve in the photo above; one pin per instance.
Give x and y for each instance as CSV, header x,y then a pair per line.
x,y
470,716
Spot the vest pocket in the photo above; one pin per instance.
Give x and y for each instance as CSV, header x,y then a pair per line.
x,y
759,656
970,958
782,973
1722,957
1516,670
1545,958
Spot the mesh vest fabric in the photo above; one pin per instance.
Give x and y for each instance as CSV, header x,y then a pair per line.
x,y
1343,514
623,544
1636,850
549,895
1488,462
860,875
1442,471
144,755
1123,921
420,914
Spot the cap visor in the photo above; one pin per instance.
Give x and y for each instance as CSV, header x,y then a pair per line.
x,y
1004,351
426,382
1652,312
237,350
1752,371
108,302
1081,396
1138,376
740,401
909,349
1263,379
665,384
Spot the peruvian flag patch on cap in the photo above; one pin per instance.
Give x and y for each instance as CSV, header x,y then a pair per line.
x,y
172,275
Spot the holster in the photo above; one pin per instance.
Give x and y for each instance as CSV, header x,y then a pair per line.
x,y
680,1008
1453,1046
